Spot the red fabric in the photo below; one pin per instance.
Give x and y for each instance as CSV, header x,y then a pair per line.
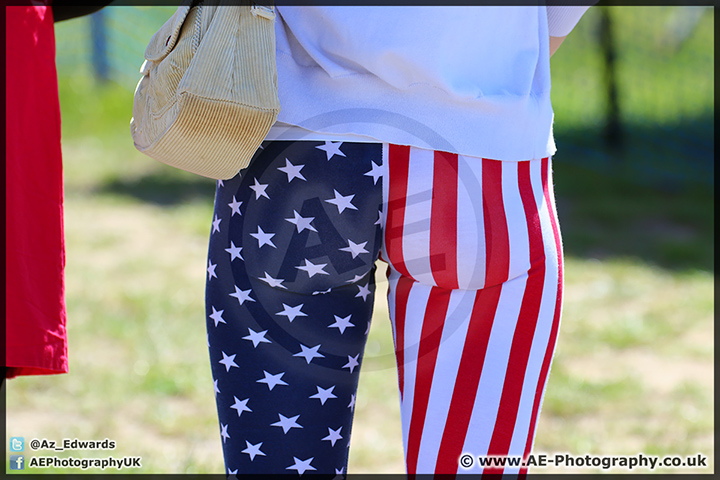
x,y
526,325
36,338
443,221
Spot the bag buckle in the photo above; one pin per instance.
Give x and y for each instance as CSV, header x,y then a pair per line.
x,y
264,11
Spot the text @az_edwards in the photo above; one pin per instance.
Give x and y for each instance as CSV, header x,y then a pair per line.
x,y
71,444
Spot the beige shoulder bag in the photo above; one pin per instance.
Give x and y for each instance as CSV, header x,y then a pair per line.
x,y
208,95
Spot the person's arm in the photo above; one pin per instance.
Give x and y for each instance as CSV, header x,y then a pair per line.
x,y
561,21
555,43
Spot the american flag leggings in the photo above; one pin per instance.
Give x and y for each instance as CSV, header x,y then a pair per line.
x,y
475,285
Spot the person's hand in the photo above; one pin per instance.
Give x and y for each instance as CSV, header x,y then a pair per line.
x,y
555,43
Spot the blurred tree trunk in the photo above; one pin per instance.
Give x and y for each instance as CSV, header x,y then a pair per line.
x,y
614,137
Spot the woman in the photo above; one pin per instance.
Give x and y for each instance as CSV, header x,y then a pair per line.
x,y
421,136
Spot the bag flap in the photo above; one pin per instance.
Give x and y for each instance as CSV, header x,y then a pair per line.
x,y
164,39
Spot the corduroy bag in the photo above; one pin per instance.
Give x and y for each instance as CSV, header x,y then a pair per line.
x,y
208,95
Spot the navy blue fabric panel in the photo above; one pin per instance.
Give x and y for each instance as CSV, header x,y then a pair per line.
x,y
289,299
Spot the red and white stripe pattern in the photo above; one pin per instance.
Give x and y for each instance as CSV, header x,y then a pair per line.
x,y
475,295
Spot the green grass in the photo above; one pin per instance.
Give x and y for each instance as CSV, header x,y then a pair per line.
x,y
609,215
633,370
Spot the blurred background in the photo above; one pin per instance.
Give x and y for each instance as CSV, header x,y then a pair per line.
x,y
634,179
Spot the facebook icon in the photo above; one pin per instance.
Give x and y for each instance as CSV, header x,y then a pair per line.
x,y
17,462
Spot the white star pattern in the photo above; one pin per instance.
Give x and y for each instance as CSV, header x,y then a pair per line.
x,y
292,171
253,450
352,362
364,292
331,149
322,292
259,190
256,337
224,433
220,183
235,206
234,252
355,249
292,312
301,465
313,269
273,282
217,316
272,380
285,343
333,435
241,405
341,324
323,394
242,295
357,278
229,362
211,270
376,172
287,423
301,223
342,202
309,353
263,238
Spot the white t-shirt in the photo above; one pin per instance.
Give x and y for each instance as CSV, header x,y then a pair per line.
x,y
469,80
